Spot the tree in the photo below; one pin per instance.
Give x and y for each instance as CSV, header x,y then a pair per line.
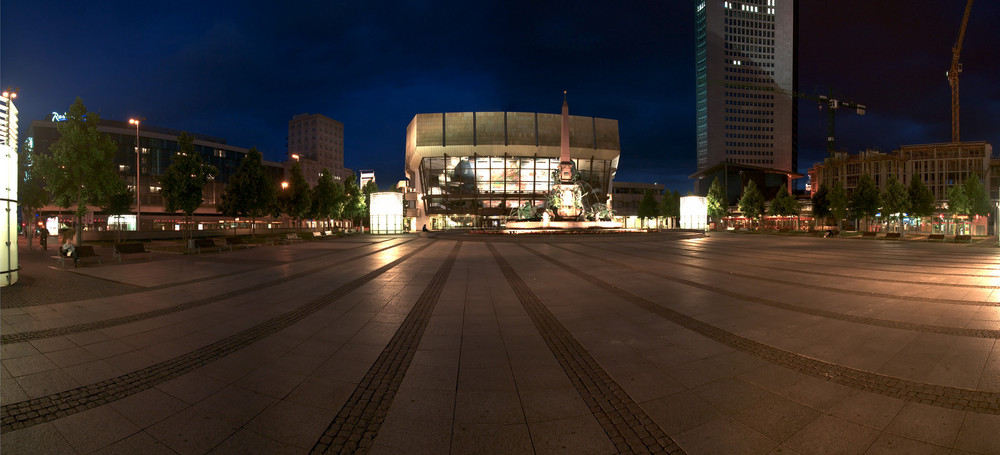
x,y
296,200
367,191
718,204
78,170
119,204
839,202
751,202
783,204
894,200
670,205
958,202
249,192
864,202
339,201
183,183
324,198
979,201
647,206
821,203
354,202
31,196
922,201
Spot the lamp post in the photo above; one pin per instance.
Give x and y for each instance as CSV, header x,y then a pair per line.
x,y
133,121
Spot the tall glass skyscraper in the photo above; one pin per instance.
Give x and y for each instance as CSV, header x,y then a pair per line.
x,y
746,72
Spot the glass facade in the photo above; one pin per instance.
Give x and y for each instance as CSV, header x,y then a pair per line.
x,y
494,186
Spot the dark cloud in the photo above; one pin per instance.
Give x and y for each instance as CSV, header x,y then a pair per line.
x,y
240,70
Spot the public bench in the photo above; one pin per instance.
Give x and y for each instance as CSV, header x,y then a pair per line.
x,y
122,249
292,238
82,252
892,236
963,238
208,244
935,237
869,235
317,235
236,241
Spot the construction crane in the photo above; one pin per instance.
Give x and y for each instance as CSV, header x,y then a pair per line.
x,y
831,104
953,73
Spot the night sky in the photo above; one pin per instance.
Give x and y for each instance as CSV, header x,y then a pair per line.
x,y
240,70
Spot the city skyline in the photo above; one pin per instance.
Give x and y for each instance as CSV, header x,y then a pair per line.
x,y
242,71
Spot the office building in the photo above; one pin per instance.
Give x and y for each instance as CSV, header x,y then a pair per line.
x,y
156,148
317,142
745,67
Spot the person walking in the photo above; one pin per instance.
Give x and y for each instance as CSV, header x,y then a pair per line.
x,y
43,237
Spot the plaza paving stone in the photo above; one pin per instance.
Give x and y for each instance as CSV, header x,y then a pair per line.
x,y
670,342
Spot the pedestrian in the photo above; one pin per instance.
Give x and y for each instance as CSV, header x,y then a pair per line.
x,y
68,248
43,237
424,228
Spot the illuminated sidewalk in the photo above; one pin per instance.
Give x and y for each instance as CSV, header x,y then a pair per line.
x,y
666,343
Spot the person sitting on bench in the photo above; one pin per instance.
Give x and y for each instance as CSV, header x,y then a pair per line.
x,y
68,248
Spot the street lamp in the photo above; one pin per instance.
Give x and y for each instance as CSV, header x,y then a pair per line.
x,y
133,121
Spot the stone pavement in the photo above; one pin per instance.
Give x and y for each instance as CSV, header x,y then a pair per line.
x,y
661,343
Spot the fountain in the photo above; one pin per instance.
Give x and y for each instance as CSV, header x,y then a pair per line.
x,y
572,202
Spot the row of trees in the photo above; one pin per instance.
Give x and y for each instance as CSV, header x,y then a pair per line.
x,y
866,202
251,193
895,200
669,206
76,173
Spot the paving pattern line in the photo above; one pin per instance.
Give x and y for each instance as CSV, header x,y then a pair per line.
x,y
939,259
912,298
889,323
355,427
629,428
57,405
838,275
23,300
978,401
20,337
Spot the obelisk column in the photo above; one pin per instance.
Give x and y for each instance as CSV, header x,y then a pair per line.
x,y
565,165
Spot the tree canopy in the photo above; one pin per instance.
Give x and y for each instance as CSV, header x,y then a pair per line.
x,y
979,200
751,203
354,204
78,171
296,200
183,183
783,204
670,205
865,199
839,202
821,202
894,200
249,192
922,201
647,206
718,204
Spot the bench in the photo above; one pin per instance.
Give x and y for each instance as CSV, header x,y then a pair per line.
x,y
328,233
292,238
318,235
831,233
208,244
122,249
82,252
963,238
869,235
892,236
935,237
236,241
